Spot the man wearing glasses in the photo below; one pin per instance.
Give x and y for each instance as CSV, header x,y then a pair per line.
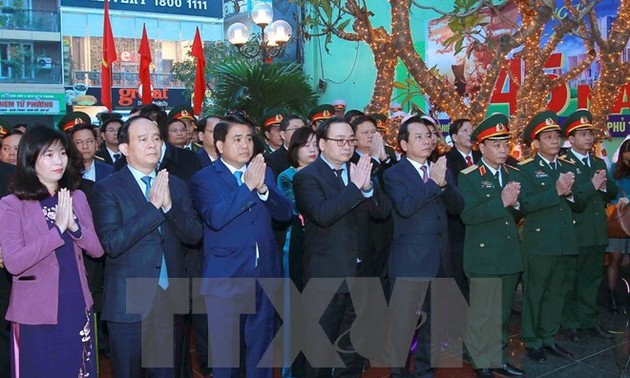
x,y
84,138
337,200
109,131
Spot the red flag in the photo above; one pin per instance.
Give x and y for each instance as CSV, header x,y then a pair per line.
x,y
145,62
200,74
109,57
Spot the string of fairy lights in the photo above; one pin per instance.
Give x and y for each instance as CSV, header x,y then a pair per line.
x,y
535,85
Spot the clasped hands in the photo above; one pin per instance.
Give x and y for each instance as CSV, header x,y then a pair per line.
x,y
160,194
64,216
254,176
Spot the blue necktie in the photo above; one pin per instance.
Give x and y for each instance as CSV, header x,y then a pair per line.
x,y
163,280
239,177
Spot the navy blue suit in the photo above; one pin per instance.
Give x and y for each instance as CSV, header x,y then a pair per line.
x,y
204,159
127,224
237,223
102,170
420,244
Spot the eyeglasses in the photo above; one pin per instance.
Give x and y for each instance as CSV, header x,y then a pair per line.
x,y
87,142
111,131
343,142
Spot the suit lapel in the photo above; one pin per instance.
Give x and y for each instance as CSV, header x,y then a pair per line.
x,y
224,172
130,185
328,174
410,170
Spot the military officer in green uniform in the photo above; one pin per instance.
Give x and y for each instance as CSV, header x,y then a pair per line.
x,y
549,244
580,307
491,247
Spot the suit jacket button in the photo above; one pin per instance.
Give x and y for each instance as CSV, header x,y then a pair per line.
x,y
538,230
482,245
487,194
507,222
543,184
574,222
509,237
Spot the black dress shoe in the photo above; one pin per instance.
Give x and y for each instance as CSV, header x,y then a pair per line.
x,y
600,332
573,335
484,373
509,370
537,355
557,350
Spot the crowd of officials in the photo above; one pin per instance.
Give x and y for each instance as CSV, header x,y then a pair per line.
x,y
159,197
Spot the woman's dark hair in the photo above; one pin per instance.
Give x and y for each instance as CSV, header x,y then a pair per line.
x,y
36,140
622,169
299,139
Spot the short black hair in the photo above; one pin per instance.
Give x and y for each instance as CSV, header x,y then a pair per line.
x,y
456,125
123,132
26,185
82,126
285,121
157,115
107,122
222,128
351,114
360,119
322,128
299,138
201,126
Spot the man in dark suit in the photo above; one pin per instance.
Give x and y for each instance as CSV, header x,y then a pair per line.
x,y
109,151
208,154
460,157
237,200
422,194
337,200
84,138
278,160
143,219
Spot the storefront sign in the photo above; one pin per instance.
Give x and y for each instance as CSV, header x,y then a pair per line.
x,y
32,103
198,8
126,98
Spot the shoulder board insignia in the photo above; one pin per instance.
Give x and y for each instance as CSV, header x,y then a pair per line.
x,y
564,159
98,158
470,169
528,160
511,167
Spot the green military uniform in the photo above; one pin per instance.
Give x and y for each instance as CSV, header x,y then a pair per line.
x,y
320,114
549,243
491,250
580,310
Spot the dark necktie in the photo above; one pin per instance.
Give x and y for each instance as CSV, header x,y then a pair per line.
x,y
585,161
497,175
163,280
469,161
338,173
553,165
425,176
116,157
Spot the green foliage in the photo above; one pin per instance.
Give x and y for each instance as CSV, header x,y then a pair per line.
x,y
256,88
215,53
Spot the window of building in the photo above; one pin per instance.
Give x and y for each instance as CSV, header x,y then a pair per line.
x,y
16,61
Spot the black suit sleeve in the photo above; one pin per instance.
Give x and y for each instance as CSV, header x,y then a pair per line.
x,y
312,201
116,234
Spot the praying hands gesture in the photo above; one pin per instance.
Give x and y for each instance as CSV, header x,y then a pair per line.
x,y
599,180
160,194
64,216
438,171
509,194
377,148
254,176
565,183
361,173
